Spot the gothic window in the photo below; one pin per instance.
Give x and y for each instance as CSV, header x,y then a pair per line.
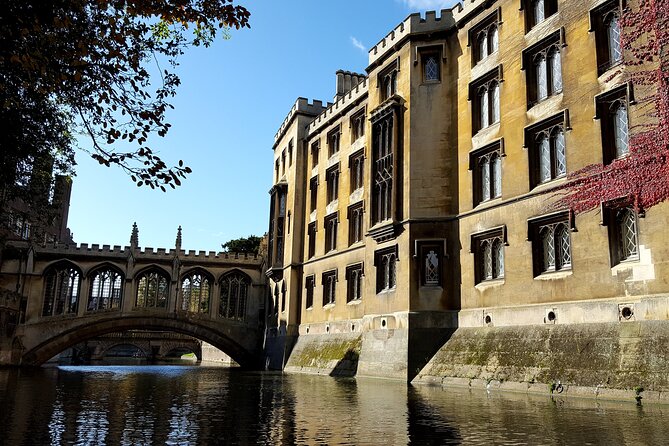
x,y
536,11
430,255
484,37
283,297
356,164
276,171
354,274
329,287
290,153
332,176
355,213
622,221
358,125
485,95
551,243
61,290
195,293
333,141
331,223
612,110
488,249
106,290
310,284
546,142
387,80
544,69
486,167
605,22
234,294
152,290
311,235
382,197
313,193
314,154
385,261
283,162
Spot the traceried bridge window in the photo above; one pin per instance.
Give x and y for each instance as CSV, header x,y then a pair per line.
x,y
234,295
61,290
152,290
106,290
195,293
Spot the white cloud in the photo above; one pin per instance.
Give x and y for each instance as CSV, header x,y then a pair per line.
x,y
422,5
358,44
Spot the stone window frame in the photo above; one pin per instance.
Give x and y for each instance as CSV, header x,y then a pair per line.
x,y
604,40
309,285
548,50
313,193
354,281
547,234
356,163
334,141
618,97
355,216
315,149
311,239
332,179
487,153
550,8
383,177
423,247
549,129
357,124
483,37
290,152
386,80
385,261
622,221
331,225
489,257
160,274
329,282
234,306
482,97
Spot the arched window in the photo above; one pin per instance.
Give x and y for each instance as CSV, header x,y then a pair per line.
x,y
106,290
234,294
195,292
152,290
61,290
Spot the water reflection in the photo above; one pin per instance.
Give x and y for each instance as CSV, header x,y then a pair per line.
x,y
179,405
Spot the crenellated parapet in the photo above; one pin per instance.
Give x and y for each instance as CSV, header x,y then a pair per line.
x,y
301,106
414,24
343,103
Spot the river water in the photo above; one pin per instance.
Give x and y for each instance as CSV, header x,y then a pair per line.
x,y
198,405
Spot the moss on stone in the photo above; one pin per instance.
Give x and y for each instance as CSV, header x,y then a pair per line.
x,y
321,354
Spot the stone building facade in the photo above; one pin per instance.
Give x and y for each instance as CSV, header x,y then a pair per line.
x,y
419,204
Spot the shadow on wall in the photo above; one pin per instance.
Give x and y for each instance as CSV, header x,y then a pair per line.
x,y
348,365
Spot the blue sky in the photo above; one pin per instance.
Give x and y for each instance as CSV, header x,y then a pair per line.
x,y
233,97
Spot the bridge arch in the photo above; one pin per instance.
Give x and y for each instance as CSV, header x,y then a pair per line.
x,y
239,342
145,353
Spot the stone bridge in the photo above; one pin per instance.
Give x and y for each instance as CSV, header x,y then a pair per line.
x,y
60,295
151,344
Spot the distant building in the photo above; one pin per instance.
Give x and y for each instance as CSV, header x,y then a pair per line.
x,y
418,201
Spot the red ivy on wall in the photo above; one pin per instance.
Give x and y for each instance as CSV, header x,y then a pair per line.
x,y
642,177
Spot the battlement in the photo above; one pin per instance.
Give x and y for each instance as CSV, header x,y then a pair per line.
x,y
143,253
303,106
414,24
354,94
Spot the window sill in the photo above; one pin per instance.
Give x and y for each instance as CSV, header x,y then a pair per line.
x,y
328,306
333,159
548,106
554,275
354,302
386,291
485,135
309,308
430,82
431,288
356,196
625,264
541,30
331,207
485,65
488,203
550,184
490,283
